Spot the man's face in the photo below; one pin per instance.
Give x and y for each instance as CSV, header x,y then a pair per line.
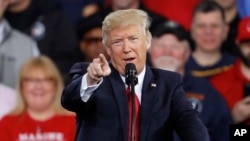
x,y
91,44
208,31
127,45
245,52
123,4
226,4
168,53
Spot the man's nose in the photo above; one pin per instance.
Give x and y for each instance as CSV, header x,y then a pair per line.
x,y
126,47
167,51
208,29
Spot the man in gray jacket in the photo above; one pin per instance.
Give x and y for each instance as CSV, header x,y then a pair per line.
x,y
15,48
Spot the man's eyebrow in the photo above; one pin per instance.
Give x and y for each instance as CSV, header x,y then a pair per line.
x,y
116,39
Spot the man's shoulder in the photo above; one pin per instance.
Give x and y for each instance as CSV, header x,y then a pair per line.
x,y
80,65
225,75
224,80
78,69
20,37
165,74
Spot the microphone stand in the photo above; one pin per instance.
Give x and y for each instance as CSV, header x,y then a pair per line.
x,y
132,137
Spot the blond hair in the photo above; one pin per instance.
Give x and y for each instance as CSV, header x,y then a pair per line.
x,y
46,65
124,18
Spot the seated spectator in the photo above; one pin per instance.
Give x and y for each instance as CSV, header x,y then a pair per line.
x,y
169,51
7,100
89,31
15,49
44,21
231,83
38,114
209,30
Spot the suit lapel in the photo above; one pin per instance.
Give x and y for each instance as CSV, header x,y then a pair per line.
x,y
118,87
147,102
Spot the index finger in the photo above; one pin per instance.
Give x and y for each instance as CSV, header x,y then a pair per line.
x,y
103,59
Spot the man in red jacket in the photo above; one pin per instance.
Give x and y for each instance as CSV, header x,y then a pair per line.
x,y
231,83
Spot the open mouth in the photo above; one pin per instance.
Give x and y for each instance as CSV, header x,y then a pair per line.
x,y
129,59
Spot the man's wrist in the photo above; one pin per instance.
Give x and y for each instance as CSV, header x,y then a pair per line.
x,y
92,81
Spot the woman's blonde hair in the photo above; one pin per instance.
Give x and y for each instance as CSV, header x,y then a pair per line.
x,y
46,65
124,18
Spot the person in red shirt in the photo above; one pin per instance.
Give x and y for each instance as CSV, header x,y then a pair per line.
x,y
38,115
231,82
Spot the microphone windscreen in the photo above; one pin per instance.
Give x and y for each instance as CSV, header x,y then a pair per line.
x,y
130,66
130,72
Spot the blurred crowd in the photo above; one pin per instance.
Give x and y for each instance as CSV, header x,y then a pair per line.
x,y
206,41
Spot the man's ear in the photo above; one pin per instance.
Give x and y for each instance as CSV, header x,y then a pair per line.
x,y
149,40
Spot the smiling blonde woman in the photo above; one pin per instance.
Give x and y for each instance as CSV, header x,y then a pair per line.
x,y
38,114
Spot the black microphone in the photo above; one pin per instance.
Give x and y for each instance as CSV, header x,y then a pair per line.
x,y
130,72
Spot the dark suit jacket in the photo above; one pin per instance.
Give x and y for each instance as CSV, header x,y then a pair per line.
x,y
164,108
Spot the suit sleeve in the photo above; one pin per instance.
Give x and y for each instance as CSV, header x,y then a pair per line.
x,y
188,125
71,99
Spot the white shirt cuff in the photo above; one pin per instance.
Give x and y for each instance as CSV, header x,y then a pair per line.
x,y
85,90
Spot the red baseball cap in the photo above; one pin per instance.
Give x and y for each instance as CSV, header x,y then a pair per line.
x,y
244,29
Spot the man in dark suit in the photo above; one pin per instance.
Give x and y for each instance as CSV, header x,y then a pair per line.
x,y
97,92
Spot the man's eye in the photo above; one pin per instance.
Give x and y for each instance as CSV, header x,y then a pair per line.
x,y
201,26
134,38
116,42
